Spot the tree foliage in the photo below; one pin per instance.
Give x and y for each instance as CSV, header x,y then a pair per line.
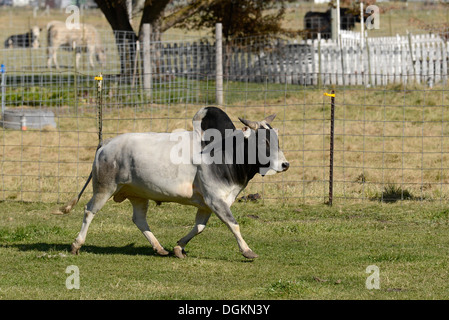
x,y
240,18
116,13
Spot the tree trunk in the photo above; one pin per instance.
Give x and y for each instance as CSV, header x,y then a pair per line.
x,y
126,47
116,13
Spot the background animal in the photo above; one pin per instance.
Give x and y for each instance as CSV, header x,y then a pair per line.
x,y
25,40
86,38
140,167
321,22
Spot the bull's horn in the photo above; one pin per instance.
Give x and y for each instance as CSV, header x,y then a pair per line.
x,y
252,124
269,119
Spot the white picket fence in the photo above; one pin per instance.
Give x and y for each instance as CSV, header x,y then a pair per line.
x,y
373,61
350,61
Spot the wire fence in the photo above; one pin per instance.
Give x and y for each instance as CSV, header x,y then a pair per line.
x,y
390,141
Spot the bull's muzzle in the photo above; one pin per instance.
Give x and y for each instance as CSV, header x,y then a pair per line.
x,y
285,166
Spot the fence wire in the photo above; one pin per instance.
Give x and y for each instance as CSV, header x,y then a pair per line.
x,y
390,140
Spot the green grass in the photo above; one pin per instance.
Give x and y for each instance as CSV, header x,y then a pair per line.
x,y
305,252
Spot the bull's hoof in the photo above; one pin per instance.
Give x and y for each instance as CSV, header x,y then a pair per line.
x,y
75,249
249,254
162,252
179,252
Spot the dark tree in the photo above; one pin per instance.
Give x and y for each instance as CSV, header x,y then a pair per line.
x,y
241,18
153,12
116,13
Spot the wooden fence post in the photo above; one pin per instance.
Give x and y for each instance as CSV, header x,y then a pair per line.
x,y
371,83
334,24
319,61
362,25
136,62
444,62
147,76
75,76
411,54
218,64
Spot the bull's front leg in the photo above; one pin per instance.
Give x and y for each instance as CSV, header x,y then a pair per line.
x,y
223,211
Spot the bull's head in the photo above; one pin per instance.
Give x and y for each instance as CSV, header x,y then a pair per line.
x,y
270,157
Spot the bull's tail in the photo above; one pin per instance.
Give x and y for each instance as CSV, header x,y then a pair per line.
x,y
69,205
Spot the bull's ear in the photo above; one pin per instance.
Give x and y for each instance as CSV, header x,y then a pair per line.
x,y
246,132
269,119
252,124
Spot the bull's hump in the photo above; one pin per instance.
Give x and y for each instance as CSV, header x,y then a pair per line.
x,y
213,117
146,157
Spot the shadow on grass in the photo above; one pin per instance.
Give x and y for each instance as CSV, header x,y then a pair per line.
x,y
129,249
393,193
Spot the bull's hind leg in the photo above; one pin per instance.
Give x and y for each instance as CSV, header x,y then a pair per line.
x,y
140,208
92,207
202,216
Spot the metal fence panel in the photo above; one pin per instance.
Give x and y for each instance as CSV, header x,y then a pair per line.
x,y
390,129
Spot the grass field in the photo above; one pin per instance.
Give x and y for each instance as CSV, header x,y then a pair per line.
x,y
305,252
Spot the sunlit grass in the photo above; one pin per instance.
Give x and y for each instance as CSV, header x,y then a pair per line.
x,y
305,252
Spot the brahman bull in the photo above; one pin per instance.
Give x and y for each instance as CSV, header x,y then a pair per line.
x,y
187,167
